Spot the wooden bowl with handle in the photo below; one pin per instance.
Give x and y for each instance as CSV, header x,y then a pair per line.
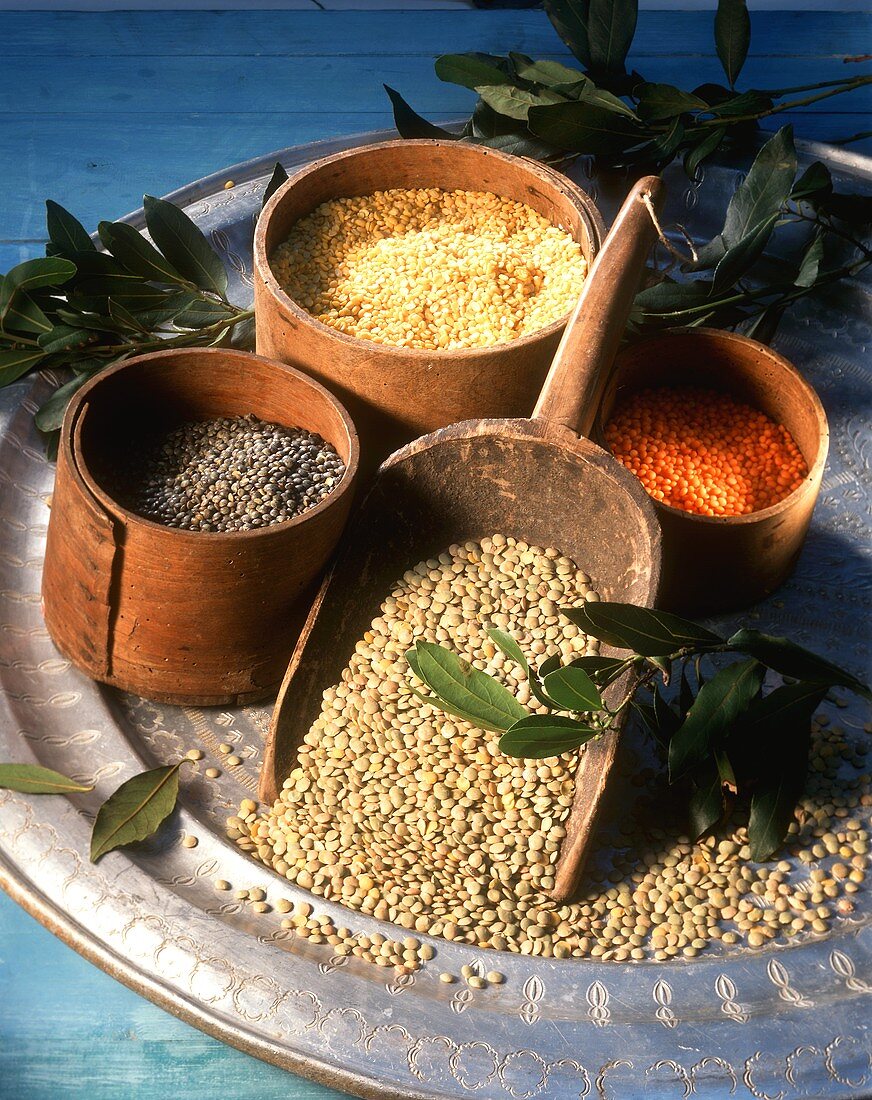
x,y
184,616
722,563
396,394
538,479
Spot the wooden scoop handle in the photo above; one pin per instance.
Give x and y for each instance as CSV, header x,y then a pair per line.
x,y
574,386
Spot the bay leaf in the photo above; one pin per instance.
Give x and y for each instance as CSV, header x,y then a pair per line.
x,y
542,735
34,779
136,810
184,244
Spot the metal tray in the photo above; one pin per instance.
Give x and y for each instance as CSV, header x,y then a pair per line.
x,y
772,1024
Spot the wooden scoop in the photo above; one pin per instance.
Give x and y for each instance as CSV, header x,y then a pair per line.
x,y
536,479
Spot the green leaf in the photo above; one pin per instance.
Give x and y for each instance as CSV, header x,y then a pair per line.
x,y
134,252
765,189
790,659
569,18
244,332
740,106
759,197
611,25
135,810
583,127
704,149
62,337
13,364
162,313
65,232
685,693
125,319
513,651
668,297
515,102
541,735
202,313
778,729
732,36
24,315
668,722
410,124
465,691
470,70
602,670
184,245
33,779
572,689
506,134
706,803
811,261
47,271
764,326
662,101
50,414
646,631
279,176
738,259
601,98
719,704
815,181
550,74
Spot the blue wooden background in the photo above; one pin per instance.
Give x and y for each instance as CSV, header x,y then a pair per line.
x,y
96,109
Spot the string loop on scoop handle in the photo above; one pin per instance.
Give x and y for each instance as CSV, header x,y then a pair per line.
x,y
573,389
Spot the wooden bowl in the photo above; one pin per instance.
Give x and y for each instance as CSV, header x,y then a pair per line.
x,y
184,616
396,394
721,563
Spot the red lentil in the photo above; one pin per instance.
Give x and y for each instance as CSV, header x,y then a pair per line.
x,y
705,452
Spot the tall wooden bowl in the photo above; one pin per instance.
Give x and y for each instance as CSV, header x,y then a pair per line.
x,y
397,394
721,563
184,616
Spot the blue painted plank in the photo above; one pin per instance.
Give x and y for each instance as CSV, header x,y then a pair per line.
x,y
212,85
76,1033
299,34
100,171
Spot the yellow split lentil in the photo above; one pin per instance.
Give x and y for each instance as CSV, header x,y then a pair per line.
x,y
432,269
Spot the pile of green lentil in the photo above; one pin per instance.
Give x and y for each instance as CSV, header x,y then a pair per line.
x,y
233,473
397,811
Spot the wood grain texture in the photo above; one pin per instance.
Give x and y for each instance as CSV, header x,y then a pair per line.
x,y
395,394
184,616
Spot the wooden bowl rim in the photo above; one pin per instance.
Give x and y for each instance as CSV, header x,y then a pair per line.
x,y
556,179
815,469
562,439
72,423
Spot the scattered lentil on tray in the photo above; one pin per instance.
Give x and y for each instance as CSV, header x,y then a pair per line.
x,y
396,811
705,452
232,473
433,269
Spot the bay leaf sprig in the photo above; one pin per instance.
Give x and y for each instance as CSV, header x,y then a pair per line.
x,y
82,308
553,111
721,736
133,812
730,283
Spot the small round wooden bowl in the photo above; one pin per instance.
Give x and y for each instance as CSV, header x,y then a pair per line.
x,y
721,563
396,394
184,616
